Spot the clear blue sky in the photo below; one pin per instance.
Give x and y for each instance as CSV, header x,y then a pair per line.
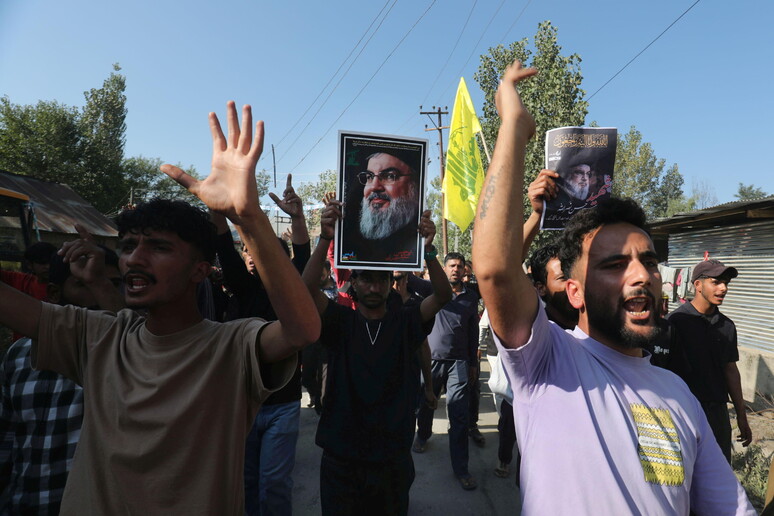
x,y
701,94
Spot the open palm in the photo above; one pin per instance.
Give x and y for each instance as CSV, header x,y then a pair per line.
x,y
230,189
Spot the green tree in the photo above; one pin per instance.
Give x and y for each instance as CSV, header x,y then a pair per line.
x,y
82,148
640,175
41,140
458,241
144,181
554,97
311,193
750,192
103,129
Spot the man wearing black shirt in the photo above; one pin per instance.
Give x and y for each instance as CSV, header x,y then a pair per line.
x,y
270,450
367,423
704,352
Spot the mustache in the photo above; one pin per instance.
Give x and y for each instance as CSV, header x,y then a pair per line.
x,y
640,292
134,272
379,195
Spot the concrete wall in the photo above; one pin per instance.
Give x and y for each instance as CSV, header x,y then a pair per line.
x,y
757,370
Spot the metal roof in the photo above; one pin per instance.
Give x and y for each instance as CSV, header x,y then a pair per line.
x,y
726,214
58,207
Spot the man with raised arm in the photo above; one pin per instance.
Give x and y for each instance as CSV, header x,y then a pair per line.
x,y
169,398
367,422
619,435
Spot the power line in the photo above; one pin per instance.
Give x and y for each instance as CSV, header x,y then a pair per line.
x,y
336,73
473,50
451,53
643,50
429,90
502,40
366,84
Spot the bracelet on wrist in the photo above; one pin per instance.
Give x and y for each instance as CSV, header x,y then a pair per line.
x,y
431,254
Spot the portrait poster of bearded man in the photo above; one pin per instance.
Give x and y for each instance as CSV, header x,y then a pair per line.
x,y
381,181
584,157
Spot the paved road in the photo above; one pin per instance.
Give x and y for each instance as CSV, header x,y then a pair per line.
x,y
435,490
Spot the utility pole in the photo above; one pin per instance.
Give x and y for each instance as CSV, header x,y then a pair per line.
x,y
439,127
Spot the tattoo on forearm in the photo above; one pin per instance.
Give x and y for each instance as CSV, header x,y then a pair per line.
x,y
488,194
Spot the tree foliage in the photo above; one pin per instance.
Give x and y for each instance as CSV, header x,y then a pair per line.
x,y
640,175
312,194
750,192
144,181
82,148
554,97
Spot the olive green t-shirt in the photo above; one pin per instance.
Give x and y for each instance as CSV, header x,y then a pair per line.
x,y
165,418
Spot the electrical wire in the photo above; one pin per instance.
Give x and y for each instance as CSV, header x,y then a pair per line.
x,y
473,50
643,50
337,84
366,84
352,51
430,89
502,40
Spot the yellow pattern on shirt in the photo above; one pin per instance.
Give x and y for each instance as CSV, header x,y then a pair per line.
x,y
659,445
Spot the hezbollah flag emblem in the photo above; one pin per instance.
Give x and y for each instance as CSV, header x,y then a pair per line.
x,y
464,176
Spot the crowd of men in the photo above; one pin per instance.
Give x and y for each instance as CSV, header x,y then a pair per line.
x,y
141,387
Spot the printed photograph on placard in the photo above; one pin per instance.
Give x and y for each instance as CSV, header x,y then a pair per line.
x,y
382,184
584,157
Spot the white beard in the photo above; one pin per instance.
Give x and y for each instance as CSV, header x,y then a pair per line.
x,y
381,223
579,192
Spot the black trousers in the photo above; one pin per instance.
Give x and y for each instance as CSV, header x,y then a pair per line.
x,y
717,417
355,488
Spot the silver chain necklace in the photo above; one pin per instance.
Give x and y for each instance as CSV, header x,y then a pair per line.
x,y
368,329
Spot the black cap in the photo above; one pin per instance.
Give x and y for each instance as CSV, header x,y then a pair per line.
x,y
713,269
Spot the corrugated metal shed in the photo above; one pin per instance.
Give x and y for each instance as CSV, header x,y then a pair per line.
x,y
57,207
740,234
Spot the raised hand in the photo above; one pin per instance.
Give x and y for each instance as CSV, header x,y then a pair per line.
x,y
230,189
328,197
290,203
330,216
508,102
427,228
86,259
542,188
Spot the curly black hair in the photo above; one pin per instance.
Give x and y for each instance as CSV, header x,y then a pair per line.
x,y
610,211
539,260
190,223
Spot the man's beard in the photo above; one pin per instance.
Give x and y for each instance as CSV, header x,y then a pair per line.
x,y
604,318
579,192
379,224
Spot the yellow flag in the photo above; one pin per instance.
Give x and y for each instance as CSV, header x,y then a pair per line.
x,y
464,174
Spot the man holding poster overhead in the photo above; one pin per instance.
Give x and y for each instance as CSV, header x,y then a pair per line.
x,y
383,185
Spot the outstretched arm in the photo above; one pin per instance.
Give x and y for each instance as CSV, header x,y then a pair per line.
x,y
19,311
313,270
87,264
543,188
442,292
230,190
498,234
293,206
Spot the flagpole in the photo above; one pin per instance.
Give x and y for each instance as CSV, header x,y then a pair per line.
x,y
486,149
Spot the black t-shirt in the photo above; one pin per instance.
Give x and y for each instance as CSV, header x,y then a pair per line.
x,y
368,414
701,347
